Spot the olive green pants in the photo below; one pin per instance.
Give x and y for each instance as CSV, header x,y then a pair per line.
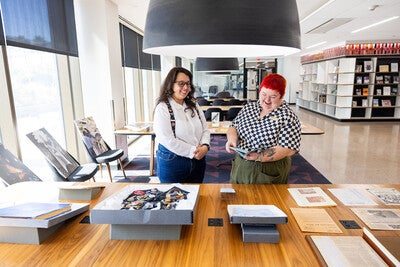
x,y
253,172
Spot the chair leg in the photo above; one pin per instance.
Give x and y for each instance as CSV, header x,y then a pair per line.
x,y
109,171
94,180
122,167
101,170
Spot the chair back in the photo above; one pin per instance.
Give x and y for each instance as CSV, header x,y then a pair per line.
x,y
232,113
208,112
203,102
12,170
218,102
58,157
223,94
234,102
91,137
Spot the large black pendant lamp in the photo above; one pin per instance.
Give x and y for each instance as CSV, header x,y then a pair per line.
x,y
216,64
222,28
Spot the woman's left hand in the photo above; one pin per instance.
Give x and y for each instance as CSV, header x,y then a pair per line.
x,y
252,156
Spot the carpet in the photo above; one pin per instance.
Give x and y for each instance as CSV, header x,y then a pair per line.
x,y
219,166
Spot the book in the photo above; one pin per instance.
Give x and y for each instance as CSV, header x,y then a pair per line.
x,y
33,210
379,79
389,196
365,91
383,68
375,102
358,80
339,251
379,218
358,91
358,68
256,214
396,79
386,103
368,67
364,103
394,67
378,91
311,197
386,90
386,246
240,151
386,78
366,79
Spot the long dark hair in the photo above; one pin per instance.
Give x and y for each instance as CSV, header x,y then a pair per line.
x,y
166,89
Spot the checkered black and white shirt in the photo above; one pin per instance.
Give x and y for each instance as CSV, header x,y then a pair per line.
x,y
281,127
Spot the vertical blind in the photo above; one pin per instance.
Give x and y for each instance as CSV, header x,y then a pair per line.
x,y
46,25
132,52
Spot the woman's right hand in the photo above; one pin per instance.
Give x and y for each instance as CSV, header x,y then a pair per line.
x,y
232,137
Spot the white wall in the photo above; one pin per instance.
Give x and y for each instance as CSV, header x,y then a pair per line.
x,y
97,26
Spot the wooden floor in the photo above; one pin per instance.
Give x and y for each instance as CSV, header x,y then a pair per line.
x,y
353,152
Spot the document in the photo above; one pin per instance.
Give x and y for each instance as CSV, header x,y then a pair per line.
x,y
339,251
378,218
314,220
389,196
311,197
351,197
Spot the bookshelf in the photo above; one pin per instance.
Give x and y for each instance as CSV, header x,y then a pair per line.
x,y
352,87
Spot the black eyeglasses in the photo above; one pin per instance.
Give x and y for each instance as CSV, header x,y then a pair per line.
x,y
182,84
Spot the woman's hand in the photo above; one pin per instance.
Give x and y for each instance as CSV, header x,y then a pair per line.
x,y
232,138
200,152
253,156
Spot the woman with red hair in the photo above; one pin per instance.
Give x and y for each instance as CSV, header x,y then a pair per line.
x,y
267,133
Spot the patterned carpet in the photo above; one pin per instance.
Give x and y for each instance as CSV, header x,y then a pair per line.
x,y
219,167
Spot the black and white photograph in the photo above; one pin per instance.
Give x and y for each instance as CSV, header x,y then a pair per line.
x,y
55,154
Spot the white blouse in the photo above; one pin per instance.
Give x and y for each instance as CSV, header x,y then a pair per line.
x,y
190,131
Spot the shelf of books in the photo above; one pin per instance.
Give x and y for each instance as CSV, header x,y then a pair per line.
x,y
352,87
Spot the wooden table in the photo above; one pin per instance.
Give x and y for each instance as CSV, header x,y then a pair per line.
x,y
80,244
146,128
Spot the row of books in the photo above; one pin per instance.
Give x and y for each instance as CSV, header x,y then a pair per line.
x,y
389,48
375,103
386,90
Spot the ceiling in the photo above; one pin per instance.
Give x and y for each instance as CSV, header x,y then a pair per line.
x,y
333,23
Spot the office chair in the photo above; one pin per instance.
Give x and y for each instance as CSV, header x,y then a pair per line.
x,y
223,94
98,151
219,102
208,112
232,113
234,102
202,102
63,164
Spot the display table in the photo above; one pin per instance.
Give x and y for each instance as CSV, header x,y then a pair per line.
x,y
82,244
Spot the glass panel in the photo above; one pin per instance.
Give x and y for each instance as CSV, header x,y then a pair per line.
x,y
36,91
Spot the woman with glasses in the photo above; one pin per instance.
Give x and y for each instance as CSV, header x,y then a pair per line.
x,y
265,134
181,131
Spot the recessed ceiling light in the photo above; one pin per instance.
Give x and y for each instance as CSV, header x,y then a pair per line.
x,y
375,24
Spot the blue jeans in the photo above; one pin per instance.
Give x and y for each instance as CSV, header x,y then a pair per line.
x,y
172,168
